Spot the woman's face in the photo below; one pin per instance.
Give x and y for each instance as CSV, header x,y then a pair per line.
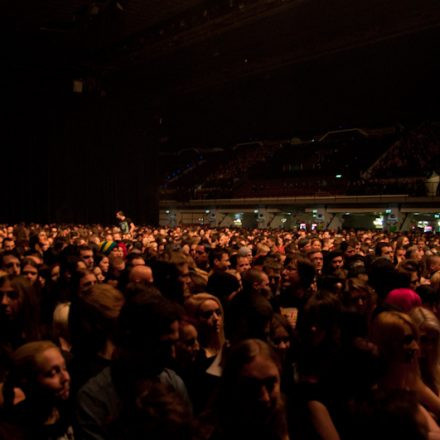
x,y
104,264
52,374
87,281
98,273
10,301
408,349
30,272
259,384
55,273
211,316
429,340
281,340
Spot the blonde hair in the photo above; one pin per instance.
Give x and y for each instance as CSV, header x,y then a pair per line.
x,y
60,324
387,329
192,307
388,333
25,362
424,319
107,300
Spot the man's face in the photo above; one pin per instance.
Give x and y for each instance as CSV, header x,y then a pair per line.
x,y
200,255
87,257
224,263
8,245
318,260
11,264
337,263
387,252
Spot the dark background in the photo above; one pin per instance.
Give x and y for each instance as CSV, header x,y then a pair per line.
x,y
165,75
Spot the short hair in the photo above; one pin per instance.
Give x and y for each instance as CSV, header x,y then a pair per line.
x,y
144,318
216,254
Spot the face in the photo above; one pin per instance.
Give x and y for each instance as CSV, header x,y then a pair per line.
x,y
260,384
387,252
104,264
359,300
98,273
223,263
210,315
409,346
168,342
318,260
263,286
87,257
31,273
9,301
414,281
400,255
243,264
11,264
337,263
8,245
52,375
429,340
188,344
316,245
55,273
87,281
290,274
117,252
280,340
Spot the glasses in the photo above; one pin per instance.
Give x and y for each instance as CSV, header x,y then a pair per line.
x,y
208,313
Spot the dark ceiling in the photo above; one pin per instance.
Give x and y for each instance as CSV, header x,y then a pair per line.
x,y
233,70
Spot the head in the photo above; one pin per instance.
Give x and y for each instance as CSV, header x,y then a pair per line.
x,y
30,270
250,393
187,347
148,332
219,259
40,371
86,255
396,338
207,312
280,335
10,263
428,328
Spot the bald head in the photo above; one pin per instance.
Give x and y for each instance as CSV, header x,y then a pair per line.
x,y
141,274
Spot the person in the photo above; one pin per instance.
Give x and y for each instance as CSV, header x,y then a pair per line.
x,y
428,327
125,224
148,331
92,331
207,312
39,370
19,316
396,338
249,403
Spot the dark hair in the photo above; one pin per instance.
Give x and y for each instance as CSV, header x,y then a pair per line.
x,y
144,318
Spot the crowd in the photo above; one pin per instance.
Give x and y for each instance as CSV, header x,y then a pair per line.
x,y
121,332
